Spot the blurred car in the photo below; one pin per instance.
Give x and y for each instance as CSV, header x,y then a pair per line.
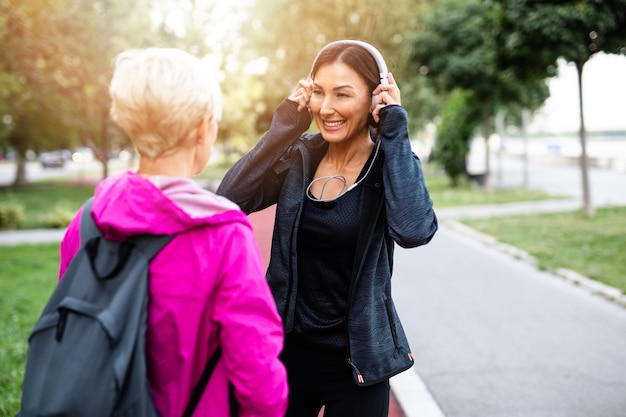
x,y
52,160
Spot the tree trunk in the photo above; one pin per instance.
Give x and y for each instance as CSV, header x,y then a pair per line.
x,y
20,170
106,144
21,149
525,122
584,162
499,126
486,133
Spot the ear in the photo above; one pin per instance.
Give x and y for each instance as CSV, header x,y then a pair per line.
x,y
202,131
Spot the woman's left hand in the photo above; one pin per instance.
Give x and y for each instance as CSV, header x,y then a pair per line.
x,y
386,94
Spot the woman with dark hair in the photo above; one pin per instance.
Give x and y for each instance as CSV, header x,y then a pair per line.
x,y
344,197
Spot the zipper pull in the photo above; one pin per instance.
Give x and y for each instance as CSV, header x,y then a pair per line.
x,y
359,376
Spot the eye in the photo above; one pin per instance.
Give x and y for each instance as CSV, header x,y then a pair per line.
x,y
316,92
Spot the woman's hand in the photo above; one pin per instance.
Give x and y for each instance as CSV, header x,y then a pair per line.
x,y
386,94
302,94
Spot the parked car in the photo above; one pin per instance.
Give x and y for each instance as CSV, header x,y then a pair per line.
x,y
52,159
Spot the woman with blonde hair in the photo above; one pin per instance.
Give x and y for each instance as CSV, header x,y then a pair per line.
x,y
206,287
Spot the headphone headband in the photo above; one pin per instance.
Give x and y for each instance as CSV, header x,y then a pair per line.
x,y
378,57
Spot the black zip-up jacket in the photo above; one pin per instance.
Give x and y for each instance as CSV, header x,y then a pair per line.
x,y
397,208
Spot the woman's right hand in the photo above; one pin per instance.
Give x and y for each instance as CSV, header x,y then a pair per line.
x,y
302,94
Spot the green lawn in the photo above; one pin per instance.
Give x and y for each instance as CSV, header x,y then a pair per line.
x,y
65,197
27,278
39,199
465,195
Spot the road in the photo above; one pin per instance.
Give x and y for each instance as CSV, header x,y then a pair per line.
x,y
71,170
494,337
607,186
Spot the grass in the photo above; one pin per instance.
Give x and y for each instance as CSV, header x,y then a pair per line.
x,y
593,247
27,278
464,194
39,199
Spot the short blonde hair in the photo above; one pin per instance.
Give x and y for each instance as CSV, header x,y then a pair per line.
x,y
160,96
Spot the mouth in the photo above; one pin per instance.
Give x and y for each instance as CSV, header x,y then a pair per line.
x,y
333,124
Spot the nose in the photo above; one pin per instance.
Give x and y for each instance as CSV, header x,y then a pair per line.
x,y
327,106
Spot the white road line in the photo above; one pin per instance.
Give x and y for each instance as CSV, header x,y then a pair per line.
x,y
413,396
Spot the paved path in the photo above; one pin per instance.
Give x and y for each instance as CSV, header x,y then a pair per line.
x,y
494,336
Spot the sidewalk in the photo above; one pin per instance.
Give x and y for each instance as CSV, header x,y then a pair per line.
x,y
20,237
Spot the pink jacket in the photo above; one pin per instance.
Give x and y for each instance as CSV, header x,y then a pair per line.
x,y
207,287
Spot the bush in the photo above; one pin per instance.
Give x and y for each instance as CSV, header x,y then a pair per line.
x,y
11,215
58,217
459,117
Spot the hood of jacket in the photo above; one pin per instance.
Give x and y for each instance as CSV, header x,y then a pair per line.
x,y
154,205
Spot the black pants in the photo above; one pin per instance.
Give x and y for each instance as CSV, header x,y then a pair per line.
x,y
323,378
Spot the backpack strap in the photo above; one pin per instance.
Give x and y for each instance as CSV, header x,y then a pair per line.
x,y
88,229
198,390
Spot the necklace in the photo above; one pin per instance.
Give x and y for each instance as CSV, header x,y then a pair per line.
x,y
338,177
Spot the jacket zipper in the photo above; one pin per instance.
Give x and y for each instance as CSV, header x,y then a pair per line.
x,y
359,376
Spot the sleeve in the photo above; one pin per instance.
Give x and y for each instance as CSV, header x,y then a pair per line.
x,y
251,331
410,216
254,182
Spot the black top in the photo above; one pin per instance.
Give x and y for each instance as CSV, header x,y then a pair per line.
x,y
326,250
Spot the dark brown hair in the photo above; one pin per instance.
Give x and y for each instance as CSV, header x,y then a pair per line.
x,y
354,56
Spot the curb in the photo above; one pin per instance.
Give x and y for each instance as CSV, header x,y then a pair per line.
x,y
413,397
31,236
595,287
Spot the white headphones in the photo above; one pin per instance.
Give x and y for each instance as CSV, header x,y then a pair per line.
x,y
378,57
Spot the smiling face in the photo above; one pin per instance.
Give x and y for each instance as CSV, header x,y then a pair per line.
x,y
340,103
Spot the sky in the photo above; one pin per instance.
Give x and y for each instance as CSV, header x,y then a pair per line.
x,y
604,96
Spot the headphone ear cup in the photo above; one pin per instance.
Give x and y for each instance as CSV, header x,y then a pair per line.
x,y
374,97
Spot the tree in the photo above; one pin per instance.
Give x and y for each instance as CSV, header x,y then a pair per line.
x,y
92,34
459,118
288,35
459,46
55,66
574,30
27,34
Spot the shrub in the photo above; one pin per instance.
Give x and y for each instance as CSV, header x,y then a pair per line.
x,y
459,118
11,215
58,217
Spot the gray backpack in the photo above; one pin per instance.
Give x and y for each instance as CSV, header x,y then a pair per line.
x,y
86,354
